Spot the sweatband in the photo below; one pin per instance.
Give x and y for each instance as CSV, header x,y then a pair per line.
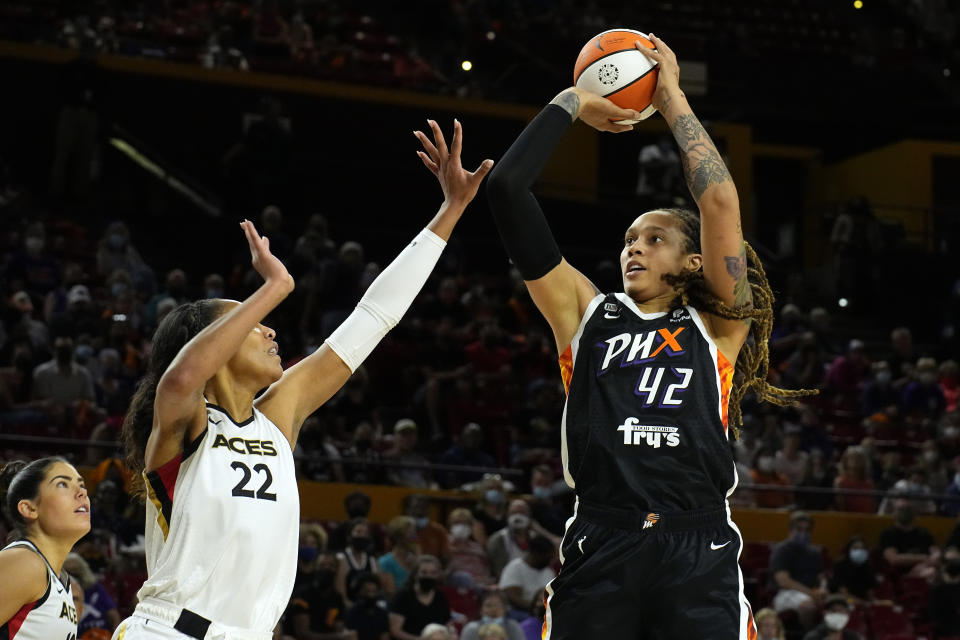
x,y
386,300
523,227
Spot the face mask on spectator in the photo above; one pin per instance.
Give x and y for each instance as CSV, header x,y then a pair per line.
x,y
360,543
765,464
543,493
493,496
836,620
118,289
930,456
859,556
883,377
460,531
34,244
489,620
801,537
307,554
518,521
421,522
214,293
117,241
426,584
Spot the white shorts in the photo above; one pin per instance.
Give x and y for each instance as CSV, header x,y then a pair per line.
x,y
137,628
155,620
790,600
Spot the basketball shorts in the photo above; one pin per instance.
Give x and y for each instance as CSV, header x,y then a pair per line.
x,y
156,621
649,576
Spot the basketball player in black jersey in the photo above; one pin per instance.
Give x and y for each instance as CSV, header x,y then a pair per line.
x,y
651,551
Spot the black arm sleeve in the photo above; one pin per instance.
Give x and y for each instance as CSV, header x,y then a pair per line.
x,y
523,228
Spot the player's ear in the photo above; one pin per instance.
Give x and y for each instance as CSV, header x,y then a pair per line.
x,y
693,262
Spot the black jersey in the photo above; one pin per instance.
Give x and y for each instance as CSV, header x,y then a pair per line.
x,y
645,423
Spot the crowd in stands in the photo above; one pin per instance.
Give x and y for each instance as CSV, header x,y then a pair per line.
x,y
422,47
464,394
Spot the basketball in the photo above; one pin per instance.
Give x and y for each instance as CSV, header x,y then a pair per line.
x,y
610,65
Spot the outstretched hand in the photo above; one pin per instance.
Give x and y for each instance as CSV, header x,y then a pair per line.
x,y
266,264
459,185
668,78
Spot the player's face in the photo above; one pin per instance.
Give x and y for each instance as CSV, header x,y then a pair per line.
x,y
62,507
259,354
653,246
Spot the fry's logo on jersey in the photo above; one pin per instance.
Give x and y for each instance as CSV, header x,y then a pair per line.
x,y
644,347
240,445
654,436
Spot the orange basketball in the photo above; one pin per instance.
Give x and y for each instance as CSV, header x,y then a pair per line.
x,y
610,65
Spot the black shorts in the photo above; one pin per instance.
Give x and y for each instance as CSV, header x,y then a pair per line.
x,y
649,577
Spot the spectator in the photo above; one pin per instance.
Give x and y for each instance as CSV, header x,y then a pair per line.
x,y
764,474
491,632
879,393
115,252
357,504
490,514
493,611
99,609
61,379
410,470
769,625
923,395
363,463
466,554
395,565
511,542
368,615
915,487
790,461
818,476
524,579
313,542
804,367
357,558
419,602
434,631
902,356
846,374
316,610
543,506
907,547
854,576
853,476
467,453
796,568
943,604
745,449
25,324
836,615
432,538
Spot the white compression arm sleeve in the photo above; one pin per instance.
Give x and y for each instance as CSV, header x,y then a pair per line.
x,y
386,300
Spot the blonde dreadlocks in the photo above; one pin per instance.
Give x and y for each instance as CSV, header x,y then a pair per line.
x,y
753,362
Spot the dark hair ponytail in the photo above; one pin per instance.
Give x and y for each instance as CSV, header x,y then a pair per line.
x,y
21,480
175,331
753,361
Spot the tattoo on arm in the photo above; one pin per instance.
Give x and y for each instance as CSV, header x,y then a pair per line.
x,y
702,164
737,268
569,101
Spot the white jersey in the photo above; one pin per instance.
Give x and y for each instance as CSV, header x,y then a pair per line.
x,y
52,617
223,525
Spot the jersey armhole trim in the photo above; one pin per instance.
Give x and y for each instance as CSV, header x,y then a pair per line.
x,y
193,445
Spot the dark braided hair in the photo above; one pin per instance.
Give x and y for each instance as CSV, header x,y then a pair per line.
x,y
176,330
753,361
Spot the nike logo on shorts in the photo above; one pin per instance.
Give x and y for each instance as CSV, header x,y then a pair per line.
x,y
714,546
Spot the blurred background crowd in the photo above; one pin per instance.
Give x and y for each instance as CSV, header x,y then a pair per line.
x,y
461,403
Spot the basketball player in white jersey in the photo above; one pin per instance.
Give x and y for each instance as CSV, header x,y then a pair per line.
x,y
222,508
48,504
